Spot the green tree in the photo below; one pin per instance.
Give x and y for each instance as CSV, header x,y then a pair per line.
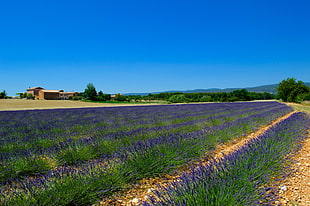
x,y
303,97
205,98
289,89
30,96
120,97
240,95
299,90
178,98
22,95
103,97
90,92
3,95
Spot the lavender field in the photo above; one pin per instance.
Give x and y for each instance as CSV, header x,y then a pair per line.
x,y
77,156
248,176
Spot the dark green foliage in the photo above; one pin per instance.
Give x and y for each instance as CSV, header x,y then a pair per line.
x,y
205,98
300,89
303,97
120,97
134,98
2,94
90,92
237,95
178,98
241,95
103,97
289,89
22,95
30,96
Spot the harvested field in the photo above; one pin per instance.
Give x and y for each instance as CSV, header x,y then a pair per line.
x,y
22,104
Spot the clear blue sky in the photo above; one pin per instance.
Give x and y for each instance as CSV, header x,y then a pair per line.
x,y
152,45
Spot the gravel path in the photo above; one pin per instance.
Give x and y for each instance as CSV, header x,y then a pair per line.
x,y
295,189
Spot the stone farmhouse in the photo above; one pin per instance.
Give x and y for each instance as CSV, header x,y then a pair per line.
x,y
41,93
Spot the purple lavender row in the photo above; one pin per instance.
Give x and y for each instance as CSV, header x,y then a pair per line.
x,y
122,134
178,143
199,137
66,118
244,176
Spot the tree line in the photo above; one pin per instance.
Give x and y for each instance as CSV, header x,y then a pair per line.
x,y
90,93
237,95
288,90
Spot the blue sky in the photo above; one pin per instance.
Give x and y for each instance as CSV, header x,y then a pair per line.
x,y
152,45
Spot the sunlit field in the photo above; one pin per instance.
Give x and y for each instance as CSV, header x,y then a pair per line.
x,y
78,156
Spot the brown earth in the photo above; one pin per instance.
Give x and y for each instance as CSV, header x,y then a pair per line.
x,y
295,189
140,191
23,104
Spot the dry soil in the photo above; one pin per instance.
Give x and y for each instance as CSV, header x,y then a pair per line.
x,y
23,104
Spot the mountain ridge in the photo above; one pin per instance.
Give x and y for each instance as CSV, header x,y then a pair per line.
x,y
270,88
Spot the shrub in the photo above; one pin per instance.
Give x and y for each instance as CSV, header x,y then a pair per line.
x,y
178,98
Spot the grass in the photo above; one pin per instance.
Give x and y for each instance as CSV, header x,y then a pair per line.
x,y
301,107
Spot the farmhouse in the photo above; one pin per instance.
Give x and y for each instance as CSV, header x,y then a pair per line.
x,y
34,91
49,94
41,93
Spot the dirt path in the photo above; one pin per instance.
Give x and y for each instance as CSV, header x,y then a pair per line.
x,y
140,191
295,189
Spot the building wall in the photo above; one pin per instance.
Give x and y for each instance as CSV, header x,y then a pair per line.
x,y
49,95
41,93
35,92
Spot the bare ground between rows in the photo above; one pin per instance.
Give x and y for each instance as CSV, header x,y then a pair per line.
x,y
141,190
295,189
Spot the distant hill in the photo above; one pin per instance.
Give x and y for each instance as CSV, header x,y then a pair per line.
x,y
271,88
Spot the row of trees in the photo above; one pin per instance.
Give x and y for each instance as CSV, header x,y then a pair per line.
x,y
291,90
237,95
91,94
